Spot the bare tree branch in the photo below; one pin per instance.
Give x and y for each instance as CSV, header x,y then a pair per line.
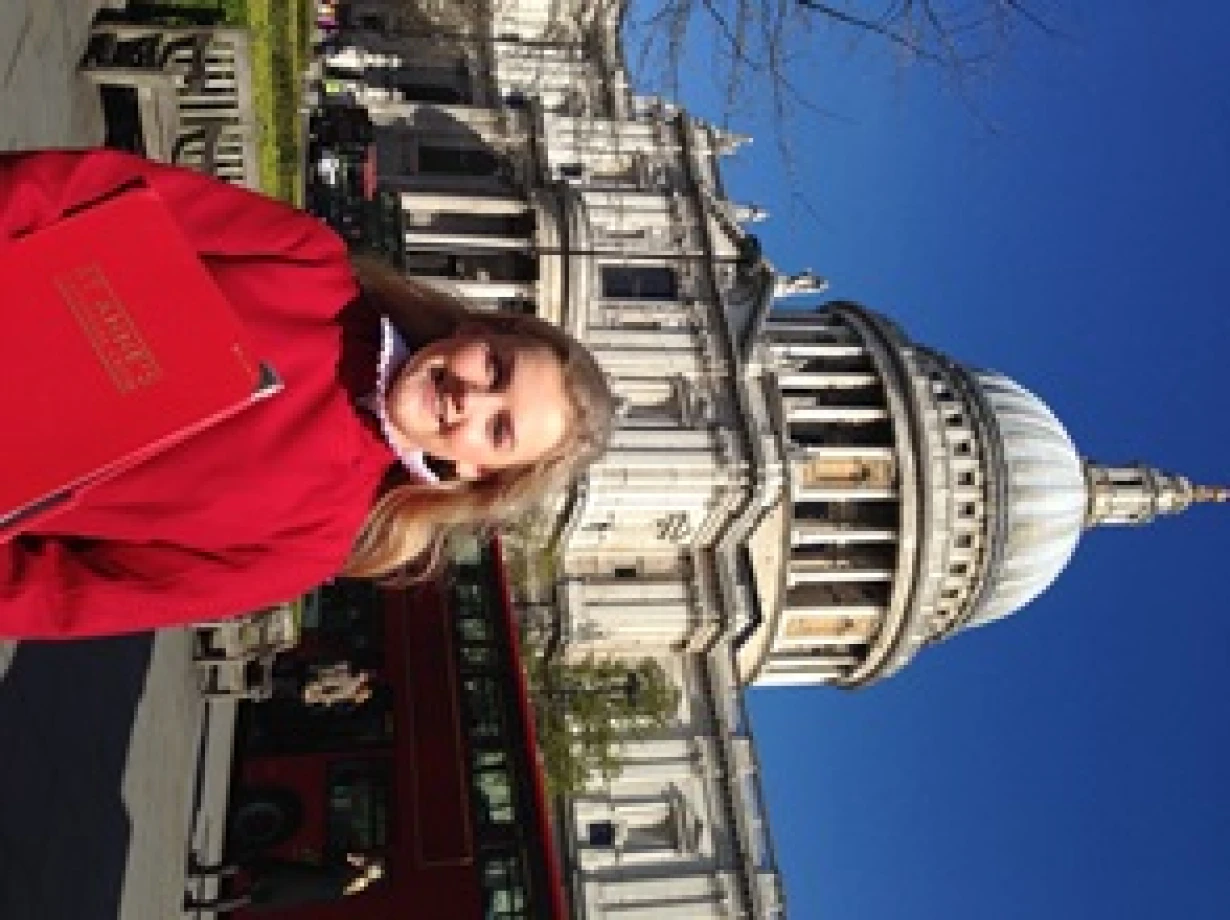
x,y
754,48
880,28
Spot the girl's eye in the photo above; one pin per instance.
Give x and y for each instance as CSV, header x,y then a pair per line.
x,y
501,429
497,370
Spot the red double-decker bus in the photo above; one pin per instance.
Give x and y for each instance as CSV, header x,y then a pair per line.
x,y
436,773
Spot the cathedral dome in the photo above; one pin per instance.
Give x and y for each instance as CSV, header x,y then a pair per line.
x,y
925,497
1040,502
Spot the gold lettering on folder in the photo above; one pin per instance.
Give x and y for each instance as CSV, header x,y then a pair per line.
x,y
109,327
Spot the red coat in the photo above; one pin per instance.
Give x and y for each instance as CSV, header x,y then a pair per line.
x,y
256,511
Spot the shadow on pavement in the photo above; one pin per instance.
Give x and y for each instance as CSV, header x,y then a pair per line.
x,y
66,716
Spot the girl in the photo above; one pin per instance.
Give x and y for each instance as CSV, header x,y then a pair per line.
x,y
405,415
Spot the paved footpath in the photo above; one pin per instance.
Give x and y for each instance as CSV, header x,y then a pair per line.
x,y
43,103
113,767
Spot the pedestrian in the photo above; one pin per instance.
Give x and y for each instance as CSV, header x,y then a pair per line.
x,y
279,883
406,415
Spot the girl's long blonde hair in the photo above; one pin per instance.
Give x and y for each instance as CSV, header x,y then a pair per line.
x,y
401,537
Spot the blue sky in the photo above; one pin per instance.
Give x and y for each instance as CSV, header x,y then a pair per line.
x,y
1075,760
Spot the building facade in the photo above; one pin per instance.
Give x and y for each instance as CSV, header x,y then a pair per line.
x,y
793,494
531,178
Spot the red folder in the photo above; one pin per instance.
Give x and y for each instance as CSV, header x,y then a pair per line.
x,y
115,344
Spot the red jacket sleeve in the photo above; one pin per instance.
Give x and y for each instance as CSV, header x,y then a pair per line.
x,y
223,222
63,588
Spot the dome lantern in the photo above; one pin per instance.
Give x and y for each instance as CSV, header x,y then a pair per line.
x,y
1137,494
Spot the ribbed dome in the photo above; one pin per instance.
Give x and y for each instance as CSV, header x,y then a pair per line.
x,y
1044,496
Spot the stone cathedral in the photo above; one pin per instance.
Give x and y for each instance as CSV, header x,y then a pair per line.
x,y
797,493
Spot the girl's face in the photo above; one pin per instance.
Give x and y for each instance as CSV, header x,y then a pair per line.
x,y
484,401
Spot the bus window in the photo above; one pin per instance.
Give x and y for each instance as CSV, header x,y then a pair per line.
x,y
485,707
467,550
359,805
476,657
473,629
493,784
344,619
504,888
473,617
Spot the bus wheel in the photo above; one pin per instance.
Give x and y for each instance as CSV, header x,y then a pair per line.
x,y
260,818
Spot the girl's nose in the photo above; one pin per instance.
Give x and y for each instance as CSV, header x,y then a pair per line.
x,y
457,394
466,400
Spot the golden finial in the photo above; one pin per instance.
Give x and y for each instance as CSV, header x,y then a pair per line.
x,y
1210,494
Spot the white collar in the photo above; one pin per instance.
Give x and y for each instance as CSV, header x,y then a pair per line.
x,y
393,354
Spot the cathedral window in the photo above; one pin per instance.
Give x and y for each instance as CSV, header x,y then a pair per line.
x,y
651,403
640,282
805,626
674,527
601,834
652,835
622,232
614,169
642,325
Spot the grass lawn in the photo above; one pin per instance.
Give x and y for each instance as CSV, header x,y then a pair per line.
x,y
281,44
